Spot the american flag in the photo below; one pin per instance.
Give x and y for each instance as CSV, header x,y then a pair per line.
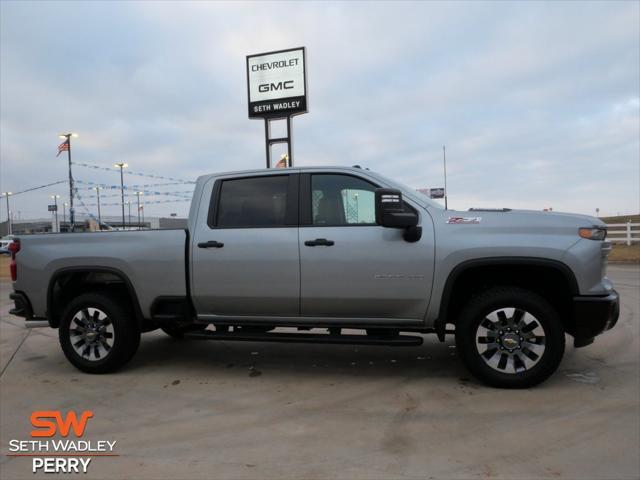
x,y
283,161
63,147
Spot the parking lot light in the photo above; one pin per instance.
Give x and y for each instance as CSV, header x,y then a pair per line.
x,y
121,166
55,201
97,189
138,197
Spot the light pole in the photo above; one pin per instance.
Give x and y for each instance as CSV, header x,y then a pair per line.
x,y
97,189
55,202
129,206
355,196
121,166
138,198
64,213
67,137
7,195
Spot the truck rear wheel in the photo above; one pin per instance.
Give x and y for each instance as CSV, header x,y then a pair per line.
x,y
510,337
97,333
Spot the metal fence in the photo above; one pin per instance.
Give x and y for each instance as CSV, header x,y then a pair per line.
x,y
626,233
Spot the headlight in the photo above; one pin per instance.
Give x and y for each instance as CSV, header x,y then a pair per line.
x,y
593,233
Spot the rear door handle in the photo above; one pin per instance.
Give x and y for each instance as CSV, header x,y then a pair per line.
x,y
319,242
211,244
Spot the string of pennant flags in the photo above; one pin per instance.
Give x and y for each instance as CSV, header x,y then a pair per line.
x,y
147,193
155,202
88,212
105,186
129,172
147,189
39,187
130,190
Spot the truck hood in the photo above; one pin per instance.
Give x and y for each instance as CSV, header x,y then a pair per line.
x,y
506,218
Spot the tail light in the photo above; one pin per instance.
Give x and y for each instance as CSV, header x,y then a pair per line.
x,y
14,247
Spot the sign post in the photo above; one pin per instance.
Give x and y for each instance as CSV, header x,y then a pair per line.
x,y
277,90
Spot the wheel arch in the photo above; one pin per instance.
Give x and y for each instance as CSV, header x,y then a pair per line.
x,y
76,274
474,272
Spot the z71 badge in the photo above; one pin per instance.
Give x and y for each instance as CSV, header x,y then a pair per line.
x,y
464,220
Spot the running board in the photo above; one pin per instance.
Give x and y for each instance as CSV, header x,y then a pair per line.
x,y
36,323
398,340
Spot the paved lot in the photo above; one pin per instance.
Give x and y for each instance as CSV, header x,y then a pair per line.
x,y
238,410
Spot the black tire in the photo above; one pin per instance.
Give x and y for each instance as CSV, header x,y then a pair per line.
x,y
178,331
472,319
120,318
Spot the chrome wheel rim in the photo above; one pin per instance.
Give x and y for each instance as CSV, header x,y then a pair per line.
x,y
510,340
91,334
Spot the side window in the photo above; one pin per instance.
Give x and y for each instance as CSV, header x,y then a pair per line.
x,y
253,202
341,200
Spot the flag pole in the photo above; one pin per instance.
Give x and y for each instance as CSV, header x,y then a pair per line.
x,y
72,217
72,211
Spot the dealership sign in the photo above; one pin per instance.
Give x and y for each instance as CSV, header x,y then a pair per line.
x,y
436,192
432,192
277,83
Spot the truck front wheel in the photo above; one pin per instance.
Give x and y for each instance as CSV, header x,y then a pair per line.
x,y
510,337
97,333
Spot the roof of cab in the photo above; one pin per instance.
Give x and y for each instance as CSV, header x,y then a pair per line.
x,y
276,171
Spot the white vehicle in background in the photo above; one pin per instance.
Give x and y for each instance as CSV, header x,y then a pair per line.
x,y
4,245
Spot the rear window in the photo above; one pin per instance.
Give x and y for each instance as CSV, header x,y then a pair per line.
x,y
253,202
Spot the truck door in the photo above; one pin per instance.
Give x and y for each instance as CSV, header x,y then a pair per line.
x,y
244,250
351,267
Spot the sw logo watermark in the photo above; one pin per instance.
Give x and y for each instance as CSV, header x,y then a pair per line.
x,y
60,455
45,427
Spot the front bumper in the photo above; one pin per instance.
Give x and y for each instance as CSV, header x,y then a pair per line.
x,y
593,316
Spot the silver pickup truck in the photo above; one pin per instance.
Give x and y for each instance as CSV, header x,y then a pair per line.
x,y
324,252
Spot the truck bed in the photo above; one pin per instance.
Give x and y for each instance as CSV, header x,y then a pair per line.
x,y
152,260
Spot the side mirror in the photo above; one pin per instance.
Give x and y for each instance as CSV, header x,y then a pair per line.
x,y
390,211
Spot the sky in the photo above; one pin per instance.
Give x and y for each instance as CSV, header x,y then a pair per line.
x,y
538,103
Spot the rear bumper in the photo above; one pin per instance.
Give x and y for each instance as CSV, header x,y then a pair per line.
x,y
22,306
593,316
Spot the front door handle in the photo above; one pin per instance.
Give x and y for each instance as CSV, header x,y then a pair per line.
x,y
211,244
319,242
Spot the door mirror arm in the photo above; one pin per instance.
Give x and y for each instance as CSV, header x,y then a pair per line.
x,y
412,234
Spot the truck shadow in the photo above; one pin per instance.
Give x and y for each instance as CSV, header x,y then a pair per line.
x,y
432,359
